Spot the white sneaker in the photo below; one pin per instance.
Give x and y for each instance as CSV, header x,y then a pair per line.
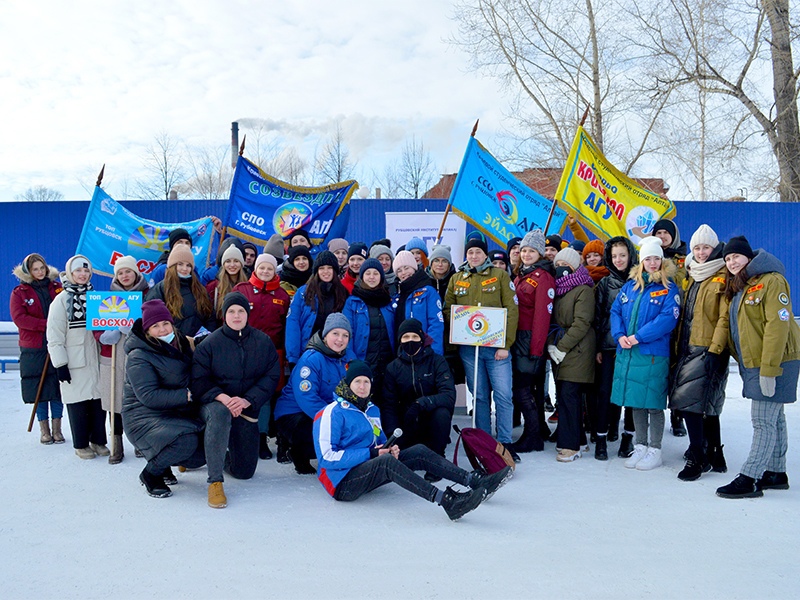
x,y
650,461
566,455
639,450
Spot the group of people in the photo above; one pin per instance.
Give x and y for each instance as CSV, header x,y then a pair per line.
x,y
326,349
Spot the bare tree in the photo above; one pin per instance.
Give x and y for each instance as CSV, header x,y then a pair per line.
x,y
39,193
333,164
165,165
290,167
209,174
416,171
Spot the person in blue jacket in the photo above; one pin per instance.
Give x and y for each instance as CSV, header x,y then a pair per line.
x,y
369,310
643,315
310,389
354,458
418,299
178,236
323,295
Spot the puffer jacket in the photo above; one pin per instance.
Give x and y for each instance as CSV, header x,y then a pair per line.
x,y
26,308
357,312
574,314
535,294
191,321
423,304
268,308
299,325
605,292
156,409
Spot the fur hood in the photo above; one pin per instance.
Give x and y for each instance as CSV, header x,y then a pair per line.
x,y
663,276
52,274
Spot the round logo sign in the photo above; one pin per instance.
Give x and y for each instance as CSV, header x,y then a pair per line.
x,y
291,216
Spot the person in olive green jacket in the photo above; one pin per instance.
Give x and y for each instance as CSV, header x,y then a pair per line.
x,y
477,281
766,341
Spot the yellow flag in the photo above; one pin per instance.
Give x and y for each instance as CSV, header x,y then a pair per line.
x,y
605,200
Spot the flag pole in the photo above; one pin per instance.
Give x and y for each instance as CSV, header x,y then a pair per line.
x,y
244,139
453,191
555,200
100,175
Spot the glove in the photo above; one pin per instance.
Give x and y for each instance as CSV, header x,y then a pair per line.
x,y
425,404
110,337
712,363
412,414
536,362
556,354
63,373
767,385
125,330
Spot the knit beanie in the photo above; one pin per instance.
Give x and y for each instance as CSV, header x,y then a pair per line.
x,y
499,255
336,321
651,246
265,258
475,235
704,235
738,245
338,244
358,249
553,241
477,243
233,253
533,239
594,246
569,256
372,263
235,298
667,226
441,251
356,368
155,311
302,251
578,246
416,243
326,258
76,262
250,245
125,262
410,326
180,254
301,233
514,241
404,258
378,249
274,246
178,234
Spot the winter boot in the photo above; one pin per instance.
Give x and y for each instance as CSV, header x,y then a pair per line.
x,y
264,453
119,452
651,460
741,487
100,449
283,452
771,480
601,448
490,483
626,446
696,465
85,453
154,485
457,504
638,453
531,439
169,477
58,437
304,467
45,436
717,459
216,495
613,432
138,453
678,428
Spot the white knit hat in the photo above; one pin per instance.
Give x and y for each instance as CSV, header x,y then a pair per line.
x,y
704,235
125,262
651,246
569,256
232,252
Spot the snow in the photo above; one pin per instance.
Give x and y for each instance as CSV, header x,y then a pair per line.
x,y
86,529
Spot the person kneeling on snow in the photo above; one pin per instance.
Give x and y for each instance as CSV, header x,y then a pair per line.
x,y
353,459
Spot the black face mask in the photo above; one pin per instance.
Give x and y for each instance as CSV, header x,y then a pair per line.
x,y
561,271
411,348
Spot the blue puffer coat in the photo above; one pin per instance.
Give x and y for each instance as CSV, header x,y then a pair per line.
x,y
357,312
299,325
425,305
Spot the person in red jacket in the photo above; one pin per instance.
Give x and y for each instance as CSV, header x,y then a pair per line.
x,y
356,255
30,305
269,303
535,289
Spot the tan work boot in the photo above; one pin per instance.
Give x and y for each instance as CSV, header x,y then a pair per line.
x,y
119,452
44,428
216,495
100,449
58,437
85,453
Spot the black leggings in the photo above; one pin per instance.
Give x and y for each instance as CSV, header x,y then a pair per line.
x,y
378,471
87,422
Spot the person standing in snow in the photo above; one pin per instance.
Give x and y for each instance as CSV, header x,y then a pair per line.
x,y
766,341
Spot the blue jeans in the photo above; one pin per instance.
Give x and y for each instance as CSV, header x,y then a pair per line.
x,y
493,376
56,410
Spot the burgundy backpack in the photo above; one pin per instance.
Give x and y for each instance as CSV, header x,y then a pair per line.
x,y
485,453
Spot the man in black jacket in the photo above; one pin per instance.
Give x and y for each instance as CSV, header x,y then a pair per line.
x,y
234,372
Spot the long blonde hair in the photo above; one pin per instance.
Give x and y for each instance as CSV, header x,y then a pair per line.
x,y
225,285
663,276
174,300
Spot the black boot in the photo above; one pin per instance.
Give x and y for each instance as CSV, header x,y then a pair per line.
x,y
678,429
531,439
169,477
490,483
283,452
717,459
264,453
741,487
154,485
771,480
696,465
626,446
601,449
457,504
613,431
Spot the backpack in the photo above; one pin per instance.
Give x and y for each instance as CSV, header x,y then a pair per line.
x,y
485,453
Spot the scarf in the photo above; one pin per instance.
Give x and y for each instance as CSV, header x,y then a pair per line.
x,y
417,281
76,303
139,286
294,277
544,264
265,286
569,282
597,273
42,289
702,271
479,269
377,297
343,390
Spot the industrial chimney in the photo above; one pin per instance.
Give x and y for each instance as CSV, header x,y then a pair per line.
x,y
234,143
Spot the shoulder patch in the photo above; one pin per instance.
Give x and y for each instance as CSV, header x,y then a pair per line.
x,y
277,301
489,281
512,286
419,293
755,288
551,293
783,298
677,299
345,404
676,312
718,280
439,303
305,385
533,282
464,284
659,293
305,372
783,314
550,308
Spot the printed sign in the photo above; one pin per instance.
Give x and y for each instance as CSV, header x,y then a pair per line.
x,y
402,226
478,326
112,310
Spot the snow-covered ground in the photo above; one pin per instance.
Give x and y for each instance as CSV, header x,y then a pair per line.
x,y
86,529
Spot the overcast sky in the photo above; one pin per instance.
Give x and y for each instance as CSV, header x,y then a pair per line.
x,y
85,83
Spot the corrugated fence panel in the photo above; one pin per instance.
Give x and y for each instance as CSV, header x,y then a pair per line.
x,y
53,228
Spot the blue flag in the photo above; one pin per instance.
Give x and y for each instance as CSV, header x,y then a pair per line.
x,y
261,206
487,195
111,231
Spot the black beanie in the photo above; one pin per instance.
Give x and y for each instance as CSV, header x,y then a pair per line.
x,y
738,245
553,241
358,249
384,242
410,326
296,251
326,258
178,234
514,241
667,226
499,255
300,232
235,298
477,243
356,368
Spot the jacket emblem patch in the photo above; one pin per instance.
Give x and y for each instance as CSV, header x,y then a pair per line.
x,y
277,301
718,280
464,284
659,293
489,281
305,385
783,314
533,282
755,288
305,372
783,298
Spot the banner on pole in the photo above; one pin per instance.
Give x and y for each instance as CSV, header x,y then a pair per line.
x,y
261,206
111,231
402,226
112,310
478,326
487,195
605,200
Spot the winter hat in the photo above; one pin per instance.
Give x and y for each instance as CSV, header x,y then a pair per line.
x,y
499,255
381,242
594,246
301,233
125,262
356,368
336,321
326,258
250,245
377,249
274,246
76,262
265,258
155,311
237,298
338,244
476,235
533,239
28,261
410,326
738,245
416,243
514,241
358,249
233,253
180,254
669,227
441,251
569,256
404,258
704,235
578,246
553,241
651,246
302,251
179,234
372,263
477,243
